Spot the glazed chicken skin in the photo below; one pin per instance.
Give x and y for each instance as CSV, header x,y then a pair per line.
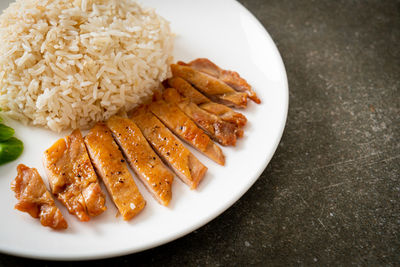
x,y
231,78
182,126
34,198
187,167
142,158
221,131
72,178
225,113
111,167
212,87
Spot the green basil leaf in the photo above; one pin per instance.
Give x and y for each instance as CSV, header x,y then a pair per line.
x,y
10,150
5,132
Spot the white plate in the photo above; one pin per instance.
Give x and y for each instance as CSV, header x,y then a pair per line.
x,y
224,32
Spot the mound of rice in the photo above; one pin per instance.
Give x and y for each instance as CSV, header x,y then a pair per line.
x,y
69,63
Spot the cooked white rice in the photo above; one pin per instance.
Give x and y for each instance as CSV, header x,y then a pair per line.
x,y
69,63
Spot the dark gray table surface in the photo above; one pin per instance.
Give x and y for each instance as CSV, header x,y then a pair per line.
x,y
331,193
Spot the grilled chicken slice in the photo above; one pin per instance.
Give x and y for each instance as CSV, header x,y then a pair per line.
x,y
188,168
72,177
187,90
142,158
224,112
215,89
221,131
111,167
182,126
231,78
35,199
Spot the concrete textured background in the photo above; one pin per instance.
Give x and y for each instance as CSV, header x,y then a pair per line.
x,y
331,194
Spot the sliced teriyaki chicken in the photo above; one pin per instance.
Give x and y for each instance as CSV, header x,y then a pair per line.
x,y
142,158
224,112
182,126
72,178
215,89
231,78
188,168
187,90
34,198
221,131
111,167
